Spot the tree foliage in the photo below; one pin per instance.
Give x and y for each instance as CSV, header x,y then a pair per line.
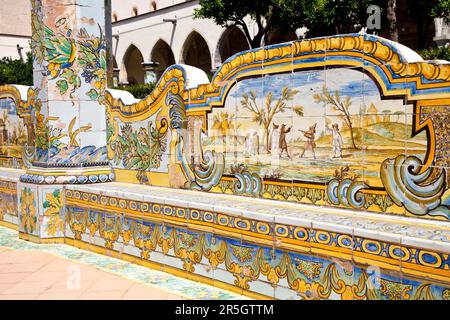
x,y
266,14
320,17
139,91
442,53
423,12
329,17
15,71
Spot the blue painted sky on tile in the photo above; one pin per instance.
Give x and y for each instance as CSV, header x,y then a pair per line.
x,y
306,82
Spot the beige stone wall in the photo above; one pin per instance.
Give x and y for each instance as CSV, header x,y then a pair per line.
x,y
15,17
15,27
124,8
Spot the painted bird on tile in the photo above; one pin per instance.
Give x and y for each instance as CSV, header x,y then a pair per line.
x,y
60,51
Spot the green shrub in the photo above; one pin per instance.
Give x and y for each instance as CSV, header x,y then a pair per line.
x,y
16,71
442,53
139,91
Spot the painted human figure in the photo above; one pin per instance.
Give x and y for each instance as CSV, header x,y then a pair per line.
x,y
283,144
337,141
275,142
255,144
310,144
251,145
248,144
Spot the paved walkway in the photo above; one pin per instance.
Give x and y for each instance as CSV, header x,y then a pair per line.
x,y
31,271
31,275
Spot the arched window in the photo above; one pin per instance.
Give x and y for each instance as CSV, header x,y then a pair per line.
x,y
196,52
232,41
162,53
133,65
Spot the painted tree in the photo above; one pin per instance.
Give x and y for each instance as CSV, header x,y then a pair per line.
x,y
223,125
386,115
264,115
339,104
398,114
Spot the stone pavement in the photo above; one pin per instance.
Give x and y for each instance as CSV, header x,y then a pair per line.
x,y
28,275
30,271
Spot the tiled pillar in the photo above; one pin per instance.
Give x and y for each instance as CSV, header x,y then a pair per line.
x,y
70,70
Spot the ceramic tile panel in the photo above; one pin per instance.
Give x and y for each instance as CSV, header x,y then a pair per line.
x,y
52,221
277,58
72,72
343,93
310,53
376,98
28,209
229,270
93,115
350,122
15,133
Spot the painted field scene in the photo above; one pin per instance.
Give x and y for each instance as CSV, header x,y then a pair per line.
x,y
13,134
311,126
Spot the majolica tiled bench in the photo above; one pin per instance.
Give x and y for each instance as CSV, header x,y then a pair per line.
x,y
264,247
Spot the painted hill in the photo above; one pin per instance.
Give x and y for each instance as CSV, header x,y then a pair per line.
x,y
369,138
395,130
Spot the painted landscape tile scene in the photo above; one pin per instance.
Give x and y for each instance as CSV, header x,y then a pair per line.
x,y
311,125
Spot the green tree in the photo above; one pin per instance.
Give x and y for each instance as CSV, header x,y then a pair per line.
x,y
321,17
267,14
442,53
139,91
423,12
15,71
329,17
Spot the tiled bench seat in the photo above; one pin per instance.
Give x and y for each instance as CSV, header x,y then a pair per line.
x,y
259,247
8,197
410,252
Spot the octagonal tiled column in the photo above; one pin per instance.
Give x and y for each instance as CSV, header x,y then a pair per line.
x,y
70,70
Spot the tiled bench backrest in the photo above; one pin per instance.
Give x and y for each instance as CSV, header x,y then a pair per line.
x,y
351,121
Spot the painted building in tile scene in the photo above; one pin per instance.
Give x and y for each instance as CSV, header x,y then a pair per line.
x,y
310,169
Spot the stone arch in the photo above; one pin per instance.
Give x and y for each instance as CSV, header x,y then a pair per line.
x,y
196,52
132,61
162,53
231,41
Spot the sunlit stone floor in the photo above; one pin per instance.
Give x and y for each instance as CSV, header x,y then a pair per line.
x,y
58,271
